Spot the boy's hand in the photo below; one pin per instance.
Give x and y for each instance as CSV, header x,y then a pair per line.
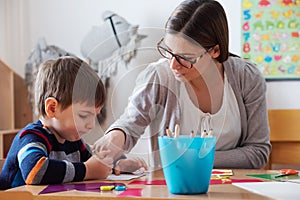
x,y
98,166
129,165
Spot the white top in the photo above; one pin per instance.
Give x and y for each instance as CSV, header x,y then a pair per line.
x,y
226,123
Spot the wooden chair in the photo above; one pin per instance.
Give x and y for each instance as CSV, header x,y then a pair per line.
x,y
15,195
285,138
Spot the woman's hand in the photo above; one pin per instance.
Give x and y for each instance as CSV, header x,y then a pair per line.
x,y
112,141
98,166
129,165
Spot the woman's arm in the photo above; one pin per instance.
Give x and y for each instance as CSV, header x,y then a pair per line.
x,y
124,133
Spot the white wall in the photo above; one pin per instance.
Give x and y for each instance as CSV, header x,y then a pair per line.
x,y
2,27
283,95
14,46
65,22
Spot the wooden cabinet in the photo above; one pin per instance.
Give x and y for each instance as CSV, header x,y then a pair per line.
x,y
15,110
285,138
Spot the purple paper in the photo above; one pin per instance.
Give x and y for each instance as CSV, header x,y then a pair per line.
x,y
86,187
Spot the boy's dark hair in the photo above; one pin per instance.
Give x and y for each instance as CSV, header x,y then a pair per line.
x,y
204,21
69,80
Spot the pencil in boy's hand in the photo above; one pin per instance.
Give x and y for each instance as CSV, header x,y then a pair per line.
x,y
169,133
177,130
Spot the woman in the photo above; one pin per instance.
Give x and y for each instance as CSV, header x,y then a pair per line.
x,y
201,86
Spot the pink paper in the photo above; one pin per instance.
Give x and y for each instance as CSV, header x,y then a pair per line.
x,y
155,182
131,192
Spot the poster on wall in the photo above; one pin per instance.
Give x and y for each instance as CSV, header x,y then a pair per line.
x,y
271,37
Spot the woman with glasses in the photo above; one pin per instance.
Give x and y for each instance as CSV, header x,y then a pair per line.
x,y
202,87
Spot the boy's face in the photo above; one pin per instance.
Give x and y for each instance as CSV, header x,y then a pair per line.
x,y
73,122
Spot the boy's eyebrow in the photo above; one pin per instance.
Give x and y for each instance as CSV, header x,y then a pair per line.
x,y
91,112
86,111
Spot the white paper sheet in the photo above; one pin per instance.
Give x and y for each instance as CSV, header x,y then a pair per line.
x,y
275,190
123,177
294,181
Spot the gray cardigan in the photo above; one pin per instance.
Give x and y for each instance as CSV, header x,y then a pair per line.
x,y
154,104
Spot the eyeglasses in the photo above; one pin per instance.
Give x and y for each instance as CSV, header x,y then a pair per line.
x,y
183,61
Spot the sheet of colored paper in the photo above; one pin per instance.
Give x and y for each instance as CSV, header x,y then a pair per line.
x,y
263,176
131,192
272,177
154,182
87,187
222,172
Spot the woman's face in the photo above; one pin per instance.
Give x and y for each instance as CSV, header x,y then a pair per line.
x,y
179,45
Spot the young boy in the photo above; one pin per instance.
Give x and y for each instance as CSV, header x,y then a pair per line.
x,y
68,96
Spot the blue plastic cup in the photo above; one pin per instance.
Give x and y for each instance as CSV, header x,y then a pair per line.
x,y
187,163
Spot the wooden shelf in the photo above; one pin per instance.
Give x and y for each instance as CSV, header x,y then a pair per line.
x,y
6,138
15,108
9,132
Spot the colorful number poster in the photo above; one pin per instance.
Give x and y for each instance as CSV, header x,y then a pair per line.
x,y
271,37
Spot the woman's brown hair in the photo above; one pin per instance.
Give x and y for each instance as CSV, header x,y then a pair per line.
x,y
204,21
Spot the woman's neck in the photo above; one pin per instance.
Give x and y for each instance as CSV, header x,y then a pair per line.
x,y
206,91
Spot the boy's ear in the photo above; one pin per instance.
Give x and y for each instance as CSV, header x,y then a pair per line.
x,y
51,106
215,52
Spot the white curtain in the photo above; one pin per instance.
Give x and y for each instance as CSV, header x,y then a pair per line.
x,y
14,33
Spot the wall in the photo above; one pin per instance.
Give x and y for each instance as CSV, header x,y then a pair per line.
x,y
65,22
2,27
15,32
67,25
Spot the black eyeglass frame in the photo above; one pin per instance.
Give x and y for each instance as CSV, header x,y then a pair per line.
x,y
178,57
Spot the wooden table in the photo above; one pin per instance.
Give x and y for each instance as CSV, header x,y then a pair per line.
x,y
218,191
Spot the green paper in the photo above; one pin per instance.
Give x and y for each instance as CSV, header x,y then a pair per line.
x,y
272,177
